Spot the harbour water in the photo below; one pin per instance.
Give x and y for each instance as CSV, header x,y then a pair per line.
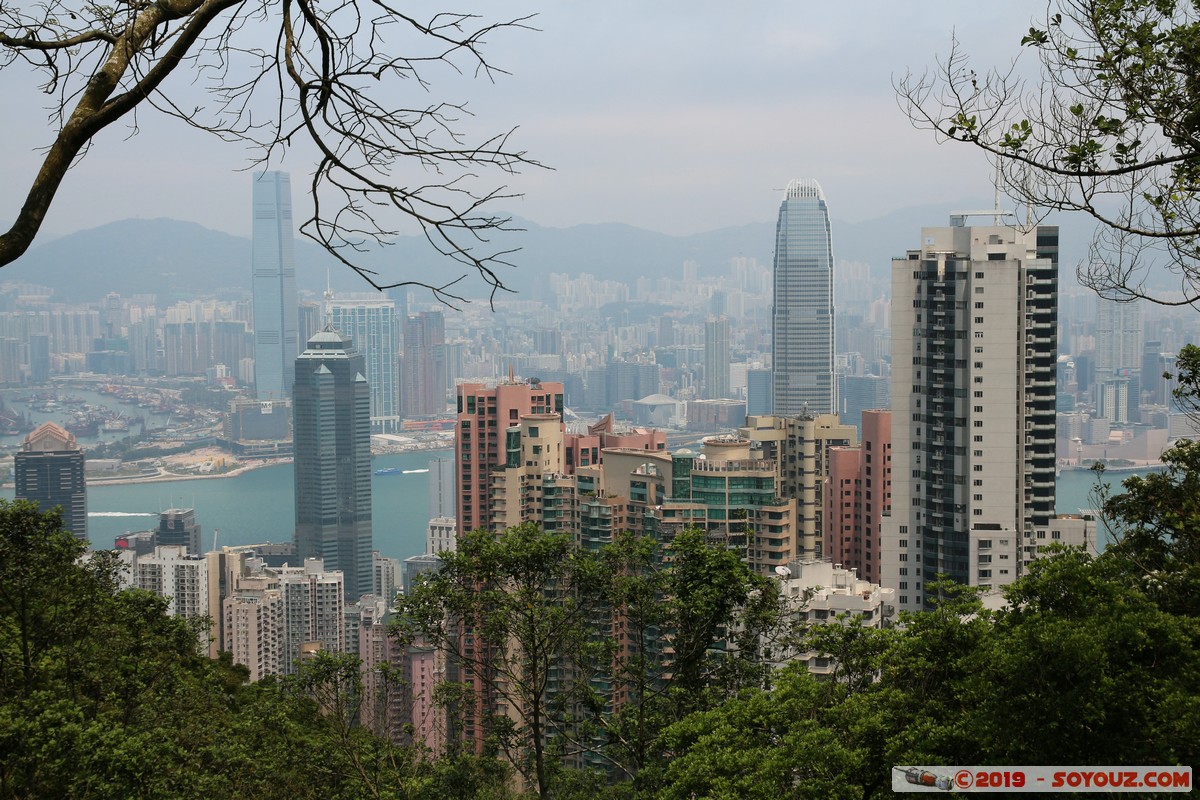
x,y
258,506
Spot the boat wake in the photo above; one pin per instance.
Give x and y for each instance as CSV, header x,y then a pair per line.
x,y
120,514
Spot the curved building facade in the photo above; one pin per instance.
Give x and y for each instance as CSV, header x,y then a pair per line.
x,y
802,316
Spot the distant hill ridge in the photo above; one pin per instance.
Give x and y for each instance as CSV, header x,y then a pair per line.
x,y
175,259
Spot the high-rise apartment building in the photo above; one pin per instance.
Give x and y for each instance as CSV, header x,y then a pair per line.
x,y
425,378
857,495
254,629
331,426
1118,338
716,358
171,572
313,609
799,447
49,470
802,319
485,414
371,327
974,329
276,341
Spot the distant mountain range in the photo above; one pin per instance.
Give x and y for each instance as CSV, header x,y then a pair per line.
x,y
176,260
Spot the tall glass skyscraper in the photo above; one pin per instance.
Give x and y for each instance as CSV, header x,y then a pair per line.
x,y
331,428
276,343
371,326
802,338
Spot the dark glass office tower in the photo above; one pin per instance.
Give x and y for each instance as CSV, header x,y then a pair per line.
x,y
276,342
802,343
331,426
49,470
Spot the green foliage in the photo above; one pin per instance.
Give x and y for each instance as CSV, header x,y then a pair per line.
x,y
512,611
648,658
102,695
1111,129
1082,667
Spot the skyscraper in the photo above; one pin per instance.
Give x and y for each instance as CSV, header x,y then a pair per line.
x,y
371,327
802,343
49,470
974,329
425,378
331,427
716,358
276,341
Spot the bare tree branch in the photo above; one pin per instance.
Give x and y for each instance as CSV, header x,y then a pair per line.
x,y
1111,129
379,167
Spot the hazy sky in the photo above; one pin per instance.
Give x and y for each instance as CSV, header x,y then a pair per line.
x,y
674,116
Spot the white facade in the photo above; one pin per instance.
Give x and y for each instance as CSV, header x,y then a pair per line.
x,y
974,326
821,592
171,573
442,535
385,577
314,611
1118,338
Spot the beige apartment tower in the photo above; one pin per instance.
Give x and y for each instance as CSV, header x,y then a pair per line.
x,y
974,327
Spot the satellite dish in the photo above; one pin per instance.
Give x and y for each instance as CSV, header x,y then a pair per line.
x,y
783,572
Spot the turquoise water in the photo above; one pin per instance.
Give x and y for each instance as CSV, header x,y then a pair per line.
x,y
258,506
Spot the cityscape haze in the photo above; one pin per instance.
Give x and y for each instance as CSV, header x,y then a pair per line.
x,y
692,369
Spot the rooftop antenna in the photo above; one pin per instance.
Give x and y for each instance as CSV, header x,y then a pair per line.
x,y
328,298
996,201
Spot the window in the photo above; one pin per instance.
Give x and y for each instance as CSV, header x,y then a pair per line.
x,y
977,423
979,393
979,320
978,349
904,570
978,409
977,498
978,512
977,468
978,365
977,481
985,544
978,274
978,438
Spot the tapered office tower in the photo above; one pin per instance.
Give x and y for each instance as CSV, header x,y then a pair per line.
x,y
974,328
331,424
276,342
802,343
